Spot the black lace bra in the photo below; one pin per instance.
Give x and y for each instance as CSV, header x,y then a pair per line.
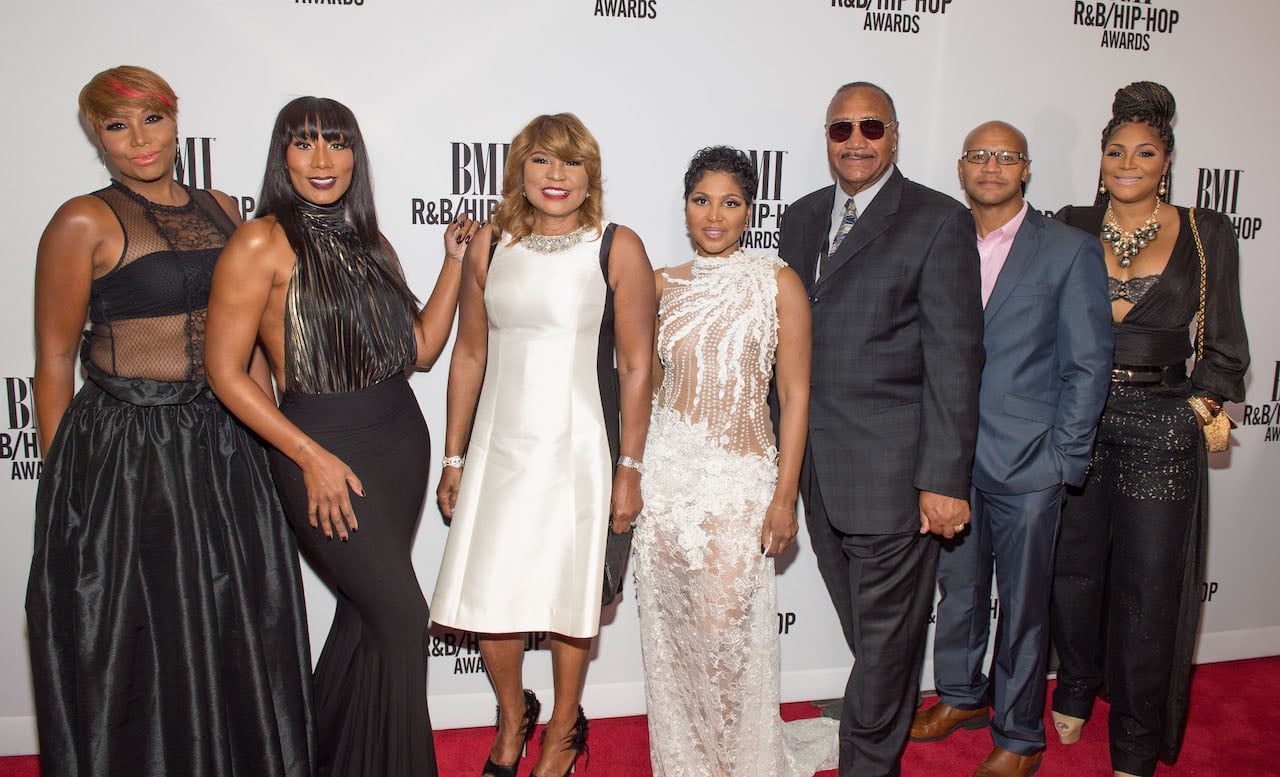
x,y
1132,290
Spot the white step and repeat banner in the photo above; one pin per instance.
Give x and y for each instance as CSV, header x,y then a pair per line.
x,y
440,87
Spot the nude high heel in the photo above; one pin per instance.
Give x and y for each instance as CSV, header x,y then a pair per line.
x,y
1068,727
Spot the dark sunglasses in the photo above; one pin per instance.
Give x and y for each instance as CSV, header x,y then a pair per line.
x,y
872,129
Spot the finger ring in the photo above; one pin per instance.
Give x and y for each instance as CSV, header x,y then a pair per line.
x,y
959,527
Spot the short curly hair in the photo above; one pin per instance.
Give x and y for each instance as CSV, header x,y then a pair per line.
x,y
722,159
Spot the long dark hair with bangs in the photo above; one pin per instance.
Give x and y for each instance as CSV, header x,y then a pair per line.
x,y
312,119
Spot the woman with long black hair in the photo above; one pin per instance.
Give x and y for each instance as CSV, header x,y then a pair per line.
x,y
316,283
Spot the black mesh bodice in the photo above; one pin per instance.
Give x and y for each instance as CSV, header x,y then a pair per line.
x,y
346,327
147,314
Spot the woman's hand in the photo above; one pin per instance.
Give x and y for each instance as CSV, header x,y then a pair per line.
x,y
434,322
779,530
329,483
447,491
625,502
458,236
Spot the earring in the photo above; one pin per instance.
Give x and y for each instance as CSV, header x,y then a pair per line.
x,y
1102,187
523,193
1164,186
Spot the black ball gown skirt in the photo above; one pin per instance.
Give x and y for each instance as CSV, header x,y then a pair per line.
x,y
164,607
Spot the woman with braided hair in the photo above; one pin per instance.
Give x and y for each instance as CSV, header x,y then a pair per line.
x,y
1126,593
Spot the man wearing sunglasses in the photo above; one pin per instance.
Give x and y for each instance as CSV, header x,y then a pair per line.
x,y
893,280
1048,346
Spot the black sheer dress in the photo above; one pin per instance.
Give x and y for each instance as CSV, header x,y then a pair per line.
x,y
167,628
348,340
1126,591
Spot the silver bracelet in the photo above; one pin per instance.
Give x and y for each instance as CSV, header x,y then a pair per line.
x,y
627,461
453,461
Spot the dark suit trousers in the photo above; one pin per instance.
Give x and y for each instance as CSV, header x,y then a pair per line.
x,y
882,588
1017,532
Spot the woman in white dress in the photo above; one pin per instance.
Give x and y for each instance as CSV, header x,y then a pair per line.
x,y
530,511
720,495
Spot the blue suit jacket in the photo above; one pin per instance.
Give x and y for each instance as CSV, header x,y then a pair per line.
x,y
1048,345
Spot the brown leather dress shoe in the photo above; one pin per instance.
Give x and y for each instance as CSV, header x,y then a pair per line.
x,y
938,721
1002,763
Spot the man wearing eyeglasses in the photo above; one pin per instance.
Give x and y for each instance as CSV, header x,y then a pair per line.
x,y
893,281
1048,345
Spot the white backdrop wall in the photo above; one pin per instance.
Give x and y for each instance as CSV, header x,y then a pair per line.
x,y
439,87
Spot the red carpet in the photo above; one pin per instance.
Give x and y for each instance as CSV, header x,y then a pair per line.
x,y
1223,739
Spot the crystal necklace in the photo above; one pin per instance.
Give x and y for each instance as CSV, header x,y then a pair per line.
x,y
553,244
1126,245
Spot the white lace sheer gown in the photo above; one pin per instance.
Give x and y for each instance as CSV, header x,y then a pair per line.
x,y
708,618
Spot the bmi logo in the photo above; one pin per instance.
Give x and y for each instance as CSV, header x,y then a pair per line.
x,y
20,445
1126,24
477,184
197,162
895,15
1268,413
766,213
1219,189
197,170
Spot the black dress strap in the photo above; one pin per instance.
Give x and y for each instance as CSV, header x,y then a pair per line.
x,y
606,366
617,546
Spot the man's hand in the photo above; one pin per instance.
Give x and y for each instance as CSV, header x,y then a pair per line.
x,y
943,515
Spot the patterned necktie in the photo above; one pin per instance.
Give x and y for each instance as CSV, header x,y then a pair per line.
x,y
846,224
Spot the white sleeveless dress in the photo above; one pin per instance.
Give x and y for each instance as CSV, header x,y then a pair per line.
x,y
708,616
526,545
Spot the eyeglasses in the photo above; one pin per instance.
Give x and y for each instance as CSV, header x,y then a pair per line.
x,y
872,129
979,156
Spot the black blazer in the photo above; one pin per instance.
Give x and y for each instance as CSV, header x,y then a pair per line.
x,y
897,352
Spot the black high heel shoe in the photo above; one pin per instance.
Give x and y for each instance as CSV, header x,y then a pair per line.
x,y
532,708
576,741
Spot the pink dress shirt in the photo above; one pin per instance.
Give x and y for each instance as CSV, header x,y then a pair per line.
x,y
994,250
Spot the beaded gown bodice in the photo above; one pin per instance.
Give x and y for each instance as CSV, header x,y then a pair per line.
x,y
717,338
346,326
147,314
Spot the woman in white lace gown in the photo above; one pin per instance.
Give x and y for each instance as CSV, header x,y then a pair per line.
x,y
720,497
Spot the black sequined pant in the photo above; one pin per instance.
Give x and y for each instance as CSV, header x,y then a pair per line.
x,y
1119,569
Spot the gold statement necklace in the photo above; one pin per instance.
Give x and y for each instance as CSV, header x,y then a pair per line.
x,y
1126,245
